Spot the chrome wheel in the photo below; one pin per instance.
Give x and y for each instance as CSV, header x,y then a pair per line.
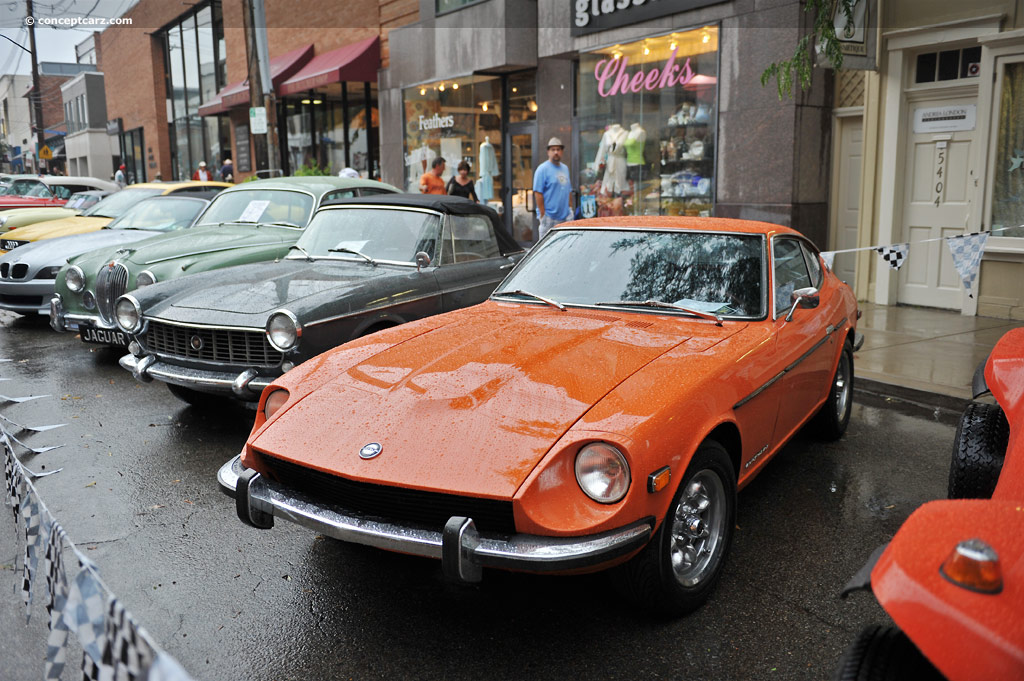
x,y
841,387
698,527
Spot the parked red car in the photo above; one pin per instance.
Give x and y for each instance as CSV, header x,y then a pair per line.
x,y
952,578
28,191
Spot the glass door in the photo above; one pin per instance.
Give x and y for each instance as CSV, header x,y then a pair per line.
x,y
520,215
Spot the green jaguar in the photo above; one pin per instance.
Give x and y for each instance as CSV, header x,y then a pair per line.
x,y
252,222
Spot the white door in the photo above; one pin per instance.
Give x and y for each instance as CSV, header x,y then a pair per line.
x,y
847,200
935,205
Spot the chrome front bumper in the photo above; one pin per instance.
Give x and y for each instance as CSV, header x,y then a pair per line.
x,y
463,551
246,385
65,321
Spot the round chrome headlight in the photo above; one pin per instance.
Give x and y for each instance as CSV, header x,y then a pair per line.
x,y
145,278
75,279
602,472
128,314
283,330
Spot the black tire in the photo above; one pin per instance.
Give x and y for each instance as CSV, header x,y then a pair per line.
x,y
978,452
831,420
884,654
194,397
649,579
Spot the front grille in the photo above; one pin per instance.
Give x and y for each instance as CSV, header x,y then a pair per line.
x,y
111,283
19,271
5,269
429,509
242,348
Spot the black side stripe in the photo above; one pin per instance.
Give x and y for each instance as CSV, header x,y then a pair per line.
x,y
828,332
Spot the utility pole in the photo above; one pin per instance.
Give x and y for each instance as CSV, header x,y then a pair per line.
x,y
261,89
37,94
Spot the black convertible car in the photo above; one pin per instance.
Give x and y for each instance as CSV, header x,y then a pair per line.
x,y
362,265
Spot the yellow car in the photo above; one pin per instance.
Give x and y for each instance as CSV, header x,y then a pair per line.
x,y
100,215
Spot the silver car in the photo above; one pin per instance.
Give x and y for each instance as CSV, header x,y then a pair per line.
x,y
28,273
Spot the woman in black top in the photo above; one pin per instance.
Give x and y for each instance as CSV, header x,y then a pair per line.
x,y
461,185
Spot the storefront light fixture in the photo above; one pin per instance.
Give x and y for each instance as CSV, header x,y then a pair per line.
x,y
705,38
318,101
305,101
455,86
647,50
483,106
423,90
532,106
441,87
673,45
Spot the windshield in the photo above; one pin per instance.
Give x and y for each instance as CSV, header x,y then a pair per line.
x,y
117,203
720,274
267,206
81,201
33,188
377,233
161,214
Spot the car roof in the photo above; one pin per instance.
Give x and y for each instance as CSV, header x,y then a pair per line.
x,y
680,222
448,205
316,184
76,179
172,186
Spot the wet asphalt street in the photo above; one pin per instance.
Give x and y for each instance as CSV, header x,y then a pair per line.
x,y
138,495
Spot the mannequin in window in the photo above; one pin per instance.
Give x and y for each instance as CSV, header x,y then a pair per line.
x,y
612,154
488,169
635,140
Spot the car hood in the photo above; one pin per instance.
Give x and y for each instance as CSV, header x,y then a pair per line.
x,y
197,242
51,229
57,251
472,406
38,211
261,288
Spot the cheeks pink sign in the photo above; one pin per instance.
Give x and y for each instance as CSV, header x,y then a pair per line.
x,y
612,77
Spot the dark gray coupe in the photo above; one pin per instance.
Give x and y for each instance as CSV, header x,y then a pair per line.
x,y
362,265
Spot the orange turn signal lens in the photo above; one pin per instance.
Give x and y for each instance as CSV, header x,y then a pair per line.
x,y
275,401
974,565
658,480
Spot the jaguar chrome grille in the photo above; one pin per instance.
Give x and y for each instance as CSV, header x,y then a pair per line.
x,y
111,283
241,348
429,509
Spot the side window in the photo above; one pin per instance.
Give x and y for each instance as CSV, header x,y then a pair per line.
x,y
339,194
813,266
789,270
472,238
60,191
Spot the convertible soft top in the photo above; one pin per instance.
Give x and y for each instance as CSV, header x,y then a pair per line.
x,y
449,205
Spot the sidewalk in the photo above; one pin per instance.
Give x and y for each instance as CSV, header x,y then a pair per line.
x,y
922,354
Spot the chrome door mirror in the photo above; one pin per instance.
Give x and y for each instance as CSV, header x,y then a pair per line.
x,y
806,298
422,260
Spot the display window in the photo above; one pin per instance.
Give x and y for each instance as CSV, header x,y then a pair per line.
x,y
646,119
1008,180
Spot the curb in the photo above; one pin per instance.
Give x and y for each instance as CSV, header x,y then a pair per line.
x,y
913,395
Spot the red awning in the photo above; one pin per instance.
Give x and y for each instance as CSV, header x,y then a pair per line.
x,y
356,62
237,94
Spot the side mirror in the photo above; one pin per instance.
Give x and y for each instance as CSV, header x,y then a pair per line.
x,y
806,298
422,260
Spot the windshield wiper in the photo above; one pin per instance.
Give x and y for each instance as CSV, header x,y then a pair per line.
x,y
280,224
520,292
353,252
669,306
304,251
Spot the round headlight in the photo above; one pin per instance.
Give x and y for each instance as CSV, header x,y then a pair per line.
x,y
3,220
275,401
145,278
75,279
89,300
283,330
602,472
128,314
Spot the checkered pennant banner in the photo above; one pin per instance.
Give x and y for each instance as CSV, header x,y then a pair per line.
x,y
127,653
57,590
894,255
967,250
85,611
14,485
31,514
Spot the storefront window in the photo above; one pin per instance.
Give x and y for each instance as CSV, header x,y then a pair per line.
x,y
646,119
1008,180
522,97
459,120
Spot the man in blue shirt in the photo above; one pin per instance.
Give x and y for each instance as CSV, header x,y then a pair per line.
x,y
552,188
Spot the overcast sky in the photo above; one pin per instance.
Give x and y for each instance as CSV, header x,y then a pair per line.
x,y
52,44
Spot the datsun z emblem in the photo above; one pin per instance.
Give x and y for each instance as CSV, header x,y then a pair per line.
x,y
371,450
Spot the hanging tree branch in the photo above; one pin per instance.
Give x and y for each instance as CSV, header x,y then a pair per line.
x,y
799,66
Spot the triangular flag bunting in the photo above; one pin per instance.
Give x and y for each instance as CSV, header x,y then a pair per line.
x,y
894,254
967,250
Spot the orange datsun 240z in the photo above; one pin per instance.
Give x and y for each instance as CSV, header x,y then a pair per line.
x,y
601,408
953,576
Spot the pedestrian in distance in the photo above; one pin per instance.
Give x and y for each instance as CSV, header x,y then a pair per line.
x,y
430,181
202,174
461,185
227,171
119,177
551,188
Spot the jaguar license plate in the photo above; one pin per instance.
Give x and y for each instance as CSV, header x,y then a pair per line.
x,y
11,244
90,334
